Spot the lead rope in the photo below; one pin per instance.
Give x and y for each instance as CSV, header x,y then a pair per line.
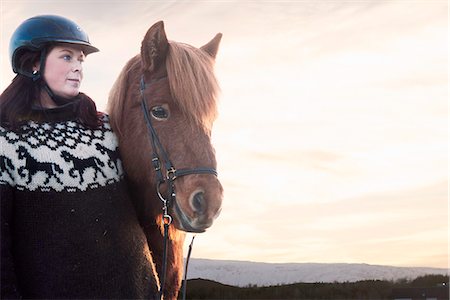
x,y
186,267
163,277
166,220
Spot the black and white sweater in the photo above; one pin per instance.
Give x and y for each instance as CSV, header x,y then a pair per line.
x,y
68,228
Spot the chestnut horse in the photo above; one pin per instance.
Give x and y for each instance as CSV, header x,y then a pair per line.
x,y
175,84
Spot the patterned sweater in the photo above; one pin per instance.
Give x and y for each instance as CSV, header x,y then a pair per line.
x,y
68,228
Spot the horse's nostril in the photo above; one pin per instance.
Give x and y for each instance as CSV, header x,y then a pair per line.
x,y
198,202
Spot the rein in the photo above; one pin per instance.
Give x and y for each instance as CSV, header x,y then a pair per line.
x,y
161,158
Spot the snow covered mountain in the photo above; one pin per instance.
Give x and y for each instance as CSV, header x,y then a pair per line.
x,y
243,273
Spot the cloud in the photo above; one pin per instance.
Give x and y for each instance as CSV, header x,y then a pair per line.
x,y
379,227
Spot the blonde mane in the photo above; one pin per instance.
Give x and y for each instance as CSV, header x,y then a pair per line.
x,y
118,93
193,84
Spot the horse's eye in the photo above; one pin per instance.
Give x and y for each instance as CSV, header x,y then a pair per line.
x,y
160,113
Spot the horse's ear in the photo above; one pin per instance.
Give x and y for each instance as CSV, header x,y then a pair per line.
x,y
154,47
213,45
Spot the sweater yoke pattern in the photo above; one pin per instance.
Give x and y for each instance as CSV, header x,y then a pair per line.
x,y
59,156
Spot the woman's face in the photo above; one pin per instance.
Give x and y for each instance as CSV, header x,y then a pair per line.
x,y
63,70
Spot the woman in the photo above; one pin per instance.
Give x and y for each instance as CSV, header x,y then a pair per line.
x,y
68,228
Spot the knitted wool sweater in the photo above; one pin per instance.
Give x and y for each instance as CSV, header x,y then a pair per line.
x,y
68,228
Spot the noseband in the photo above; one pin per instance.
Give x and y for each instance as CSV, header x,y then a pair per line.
x,y
161,158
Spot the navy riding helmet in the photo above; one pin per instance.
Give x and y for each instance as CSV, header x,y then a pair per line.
x,y
35,33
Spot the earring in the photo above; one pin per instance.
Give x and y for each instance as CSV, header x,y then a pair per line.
x,y
35,72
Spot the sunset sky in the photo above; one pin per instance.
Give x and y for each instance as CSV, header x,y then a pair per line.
x,y
332,136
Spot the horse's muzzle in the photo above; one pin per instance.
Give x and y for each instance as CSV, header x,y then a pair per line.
x,y
200,215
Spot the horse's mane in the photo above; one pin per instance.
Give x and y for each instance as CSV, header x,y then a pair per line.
x,y
193,84
118,93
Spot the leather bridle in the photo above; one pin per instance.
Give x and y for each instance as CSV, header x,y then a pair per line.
x,y
160,159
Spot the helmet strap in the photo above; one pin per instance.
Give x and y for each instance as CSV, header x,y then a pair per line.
x,y
57,99
35,75
38,78
38,74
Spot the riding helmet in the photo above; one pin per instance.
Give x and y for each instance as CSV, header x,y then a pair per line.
x,y
37,32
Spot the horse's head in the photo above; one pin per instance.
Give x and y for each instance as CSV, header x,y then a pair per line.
x,y
180,93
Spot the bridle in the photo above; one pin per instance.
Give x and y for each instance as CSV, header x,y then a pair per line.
x,y
161,158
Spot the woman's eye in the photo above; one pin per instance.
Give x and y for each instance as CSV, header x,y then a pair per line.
x,y
159,113
67,57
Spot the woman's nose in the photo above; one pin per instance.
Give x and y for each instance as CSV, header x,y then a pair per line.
x,y
77,66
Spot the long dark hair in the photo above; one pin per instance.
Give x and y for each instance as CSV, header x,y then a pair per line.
x,y
17,99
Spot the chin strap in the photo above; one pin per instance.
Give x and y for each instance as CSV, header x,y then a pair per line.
x,y
49,91
38,75
57,99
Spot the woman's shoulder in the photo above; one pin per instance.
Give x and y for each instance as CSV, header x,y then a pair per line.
x,y
8,140
3,129
104,119
106,126
7,135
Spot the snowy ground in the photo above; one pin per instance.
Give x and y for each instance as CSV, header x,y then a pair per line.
x,y
242,273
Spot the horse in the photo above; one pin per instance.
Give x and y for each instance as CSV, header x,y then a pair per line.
x,y
33,167
80,165
162,107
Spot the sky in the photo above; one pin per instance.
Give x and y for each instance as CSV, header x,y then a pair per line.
x,y
332,135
